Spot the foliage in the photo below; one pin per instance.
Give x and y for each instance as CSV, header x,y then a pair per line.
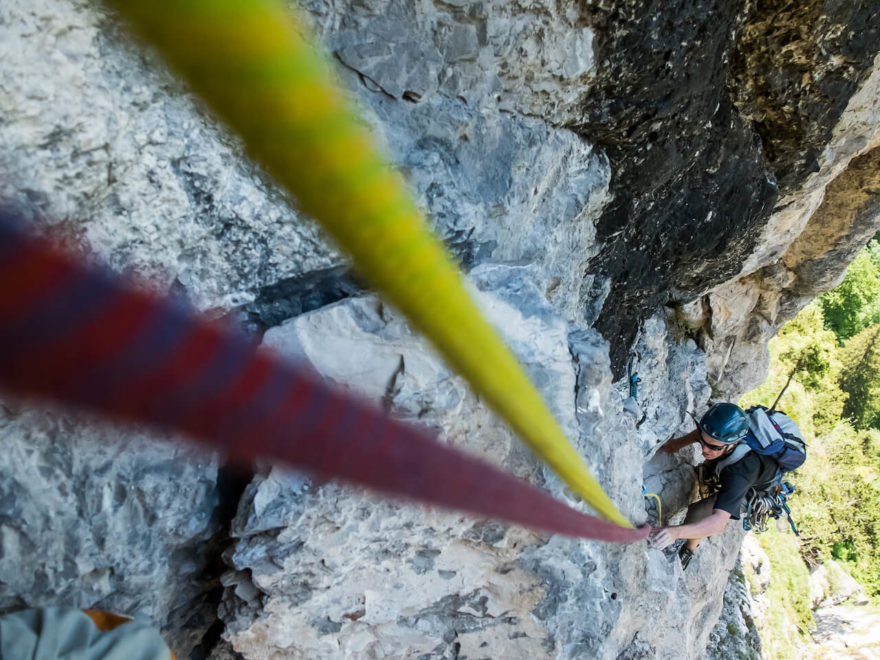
x,y
860,378
855,304
813,399
789,587
831,351
839,506
837,503
806,344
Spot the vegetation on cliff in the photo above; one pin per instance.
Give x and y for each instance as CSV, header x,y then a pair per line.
x,y
833,346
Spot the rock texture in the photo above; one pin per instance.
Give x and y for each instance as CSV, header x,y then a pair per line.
x,y
101,143
816,229
831,585
691,187
96,516
848,630
354,577
652,184
735,635
845,623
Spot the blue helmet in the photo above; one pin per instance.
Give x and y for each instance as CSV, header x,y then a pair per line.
x,y
724,422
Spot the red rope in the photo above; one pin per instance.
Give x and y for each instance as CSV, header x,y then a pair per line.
x,y
79,335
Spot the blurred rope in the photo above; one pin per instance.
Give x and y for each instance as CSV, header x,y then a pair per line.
x,y
253,62
79,335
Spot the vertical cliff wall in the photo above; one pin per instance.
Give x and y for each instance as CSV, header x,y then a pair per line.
x,y
673,180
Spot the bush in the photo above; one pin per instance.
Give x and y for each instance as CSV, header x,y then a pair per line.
x,y
834,397
855,304
860,378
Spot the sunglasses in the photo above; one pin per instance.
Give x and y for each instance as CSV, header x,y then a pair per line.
x,y
709,445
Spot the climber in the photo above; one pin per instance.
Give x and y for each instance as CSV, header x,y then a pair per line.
x,y
725,478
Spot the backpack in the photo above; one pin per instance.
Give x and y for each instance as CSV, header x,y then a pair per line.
x,y
771,433
775,434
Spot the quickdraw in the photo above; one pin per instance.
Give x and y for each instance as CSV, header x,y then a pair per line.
x,y
634,382
764,504
656,497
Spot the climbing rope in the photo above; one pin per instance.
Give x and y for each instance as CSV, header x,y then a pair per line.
x,y
78,335
253,64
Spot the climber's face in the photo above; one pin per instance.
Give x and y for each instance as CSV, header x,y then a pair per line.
x,y
711,447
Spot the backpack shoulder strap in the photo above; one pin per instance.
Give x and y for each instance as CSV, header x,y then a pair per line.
x,y
736,455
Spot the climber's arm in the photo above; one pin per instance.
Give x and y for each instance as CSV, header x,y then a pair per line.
x,y
675,444
708,526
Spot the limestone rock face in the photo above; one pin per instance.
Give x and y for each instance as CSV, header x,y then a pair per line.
x,y
632,188
691,187
96,516
831,585
712,186
812,235
102,144
477,118
356,577
735,635
847,629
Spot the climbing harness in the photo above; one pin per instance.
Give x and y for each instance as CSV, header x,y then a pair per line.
x,y
764,504
79,335
252,63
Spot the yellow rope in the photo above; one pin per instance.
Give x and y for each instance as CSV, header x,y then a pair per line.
x,y
659,506
252,62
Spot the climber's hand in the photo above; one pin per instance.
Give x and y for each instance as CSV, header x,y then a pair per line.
x,y
661,538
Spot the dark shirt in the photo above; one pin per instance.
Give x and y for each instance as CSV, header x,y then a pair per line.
x,y
736,479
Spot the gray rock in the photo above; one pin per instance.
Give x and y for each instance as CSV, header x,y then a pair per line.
x,y
389,65
831,585
810,238
95,516
735,635
586,163
101,143
353,575
847,629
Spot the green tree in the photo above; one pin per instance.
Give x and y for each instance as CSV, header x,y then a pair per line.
x,y
813,399
807,346
873,250
855,303
837,505
837,498
860,378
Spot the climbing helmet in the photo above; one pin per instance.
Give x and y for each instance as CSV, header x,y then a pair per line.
x,y
724,422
